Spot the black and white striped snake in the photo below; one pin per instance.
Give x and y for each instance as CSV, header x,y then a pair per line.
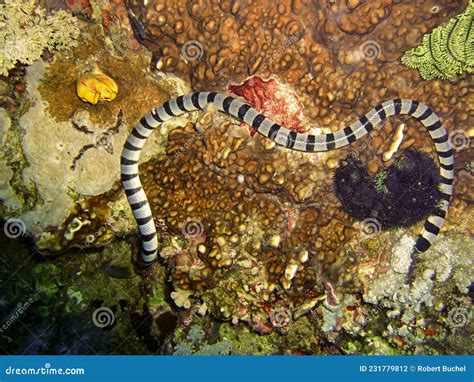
x,y
284,137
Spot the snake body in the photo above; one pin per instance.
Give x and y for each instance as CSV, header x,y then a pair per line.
x,y
282,136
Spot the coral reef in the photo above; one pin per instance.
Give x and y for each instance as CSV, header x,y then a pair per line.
x,y
83,143
344,60
258,253
261,247
272,99
27,32
78,290
447,51
193,344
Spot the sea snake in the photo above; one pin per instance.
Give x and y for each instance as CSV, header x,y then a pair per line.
x,y
282,136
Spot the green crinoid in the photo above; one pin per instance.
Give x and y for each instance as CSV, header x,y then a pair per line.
x,y
448,51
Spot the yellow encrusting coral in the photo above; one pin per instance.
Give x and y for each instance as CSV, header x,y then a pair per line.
x,y
96,86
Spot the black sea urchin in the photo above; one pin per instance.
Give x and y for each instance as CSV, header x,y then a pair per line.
x,y
399,196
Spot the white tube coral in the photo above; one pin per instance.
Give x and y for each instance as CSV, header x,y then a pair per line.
x,y
26,32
